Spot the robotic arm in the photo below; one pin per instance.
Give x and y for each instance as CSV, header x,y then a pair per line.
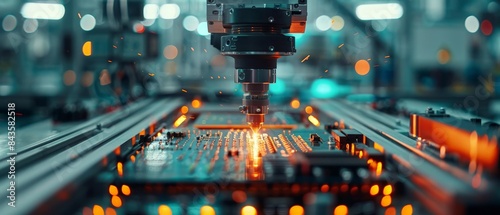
x,y
252,32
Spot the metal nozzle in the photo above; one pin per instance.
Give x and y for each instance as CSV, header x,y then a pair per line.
x,y
255,104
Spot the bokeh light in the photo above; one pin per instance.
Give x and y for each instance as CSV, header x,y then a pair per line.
x,y
248,210
471,24
170,11
87,48
30,25
341,210
164,210
203,29
362,67
443,56
486,27
190,23
207,210
296,210
88,22
337,23
9,23
170,52
151,11
323,23
69,77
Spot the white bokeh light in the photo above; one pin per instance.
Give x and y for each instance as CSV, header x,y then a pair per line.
x,y
170,11
30,25
9,23
323,23
337,23
190,23
87,22
471,24
151,11
203,29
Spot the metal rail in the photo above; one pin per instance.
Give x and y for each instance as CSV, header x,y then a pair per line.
x,y
42,180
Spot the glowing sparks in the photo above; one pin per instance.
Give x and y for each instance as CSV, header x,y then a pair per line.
x,y
192,49
79,15
341,45
151,74
184,90
305,59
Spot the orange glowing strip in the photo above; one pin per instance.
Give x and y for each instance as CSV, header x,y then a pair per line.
x,y
179,121
461,142
378,147
414,125
132,158
119,168
228,127
379,168
314,120
143,132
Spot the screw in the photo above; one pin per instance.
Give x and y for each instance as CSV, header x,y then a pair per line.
x,y
271,19
241,75
429,110
231,11
243,109
442,110
287,13
258,110
271,48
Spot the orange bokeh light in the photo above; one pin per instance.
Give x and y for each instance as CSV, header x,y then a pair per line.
x,y
341,210
362,67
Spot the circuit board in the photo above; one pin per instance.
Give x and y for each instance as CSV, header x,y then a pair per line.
x,y
197,167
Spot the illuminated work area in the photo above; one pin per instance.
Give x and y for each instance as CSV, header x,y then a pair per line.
x,y
249,107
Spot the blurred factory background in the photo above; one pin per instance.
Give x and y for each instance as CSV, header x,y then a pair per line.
x,y
89,57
